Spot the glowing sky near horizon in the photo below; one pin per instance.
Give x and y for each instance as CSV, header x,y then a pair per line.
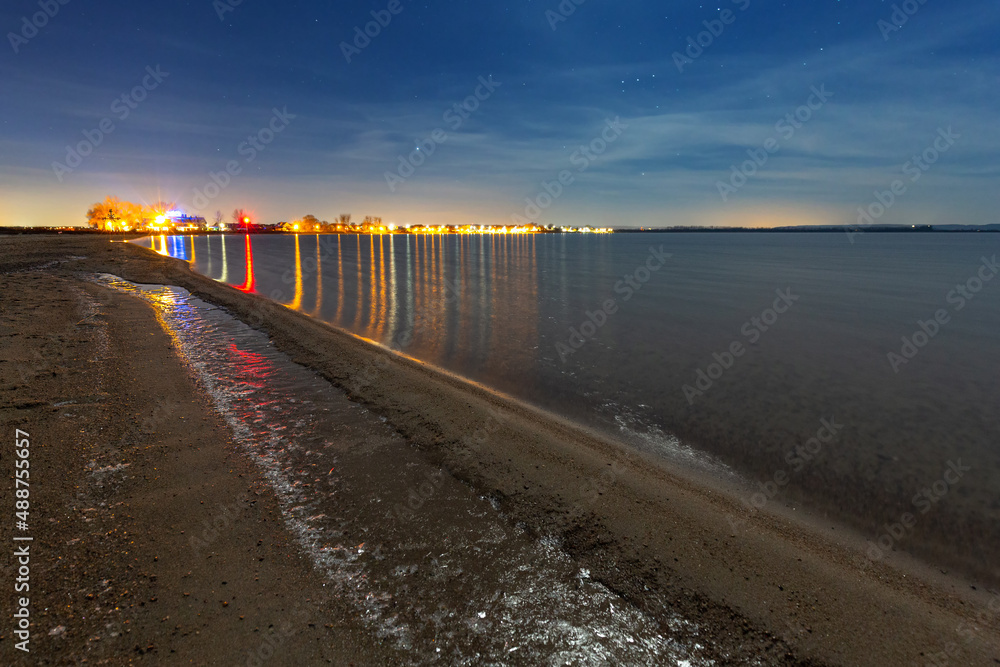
x,y
224,70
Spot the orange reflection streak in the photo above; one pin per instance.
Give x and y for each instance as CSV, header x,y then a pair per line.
x,y
372,308
431,302
383,305
463,301
563,278
442,267
415,316
319,281
442,293
340,279
532,298
357,310
163,245
430,277
492,296
249,282
378,291
505,254
520,290
435,277
482,312
376,296
418,273
422,281
393,287
225,264
192,249
297,300
378,311
494,263
373,294
534,267
410,277
517,253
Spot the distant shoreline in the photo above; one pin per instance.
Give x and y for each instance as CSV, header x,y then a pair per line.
x,y
885,229
920,229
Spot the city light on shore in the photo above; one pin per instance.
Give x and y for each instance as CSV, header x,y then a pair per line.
x,y
115,215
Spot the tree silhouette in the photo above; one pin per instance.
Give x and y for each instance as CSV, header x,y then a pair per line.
x,y
113,214
241,217
161,207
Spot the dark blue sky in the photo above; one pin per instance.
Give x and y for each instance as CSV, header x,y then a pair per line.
x,y
348,140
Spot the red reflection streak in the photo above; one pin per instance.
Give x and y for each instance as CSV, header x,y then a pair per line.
x,y
252,366
248,284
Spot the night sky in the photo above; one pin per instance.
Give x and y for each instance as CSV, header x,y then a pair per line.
x,y
660,134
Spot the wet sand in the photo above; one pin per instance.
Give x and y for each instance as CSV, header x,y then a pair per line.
x,y
154,540
766,586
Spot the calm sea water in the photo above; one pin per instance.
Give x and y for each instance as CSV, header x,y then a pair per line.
x,y
766,354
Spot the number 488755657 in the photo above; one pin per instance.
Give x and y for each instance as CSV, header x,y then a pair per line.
x,y
22,476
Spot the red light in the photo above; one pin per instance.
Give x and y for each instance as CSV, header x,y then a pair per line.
x,y
249,282
246,220
252,365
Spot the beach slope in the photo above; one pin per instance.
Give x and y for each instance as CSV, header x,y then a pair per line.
x,y
760,586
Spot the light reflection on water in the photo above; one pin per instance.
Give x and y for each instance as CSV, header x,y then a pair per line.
x,y
447,580
494,308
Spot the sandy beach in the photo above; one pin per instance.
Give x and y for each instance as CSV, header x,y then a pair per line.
x,y
130,461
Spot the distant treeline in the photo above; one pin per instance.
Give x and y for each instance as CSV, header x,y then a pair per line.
x,y
884,229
